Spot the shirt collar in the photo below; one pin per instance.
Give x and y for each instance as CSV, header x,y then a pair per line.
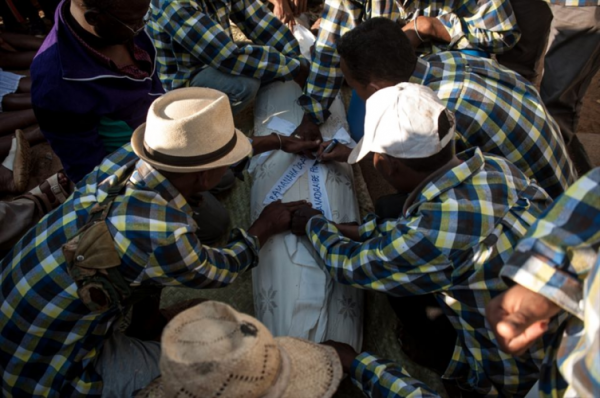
x,y
420,73
445,179
147,177
76,66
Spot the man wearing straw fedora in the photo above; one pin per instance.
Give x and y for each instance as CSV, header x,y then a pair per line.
x,y
211,350
126,230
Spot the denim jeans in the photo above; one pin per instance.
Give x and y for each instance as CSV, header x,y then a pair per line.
x,y
241,90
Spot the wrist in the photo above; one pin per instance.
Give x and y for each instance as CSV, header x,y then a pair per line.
x,y
261,230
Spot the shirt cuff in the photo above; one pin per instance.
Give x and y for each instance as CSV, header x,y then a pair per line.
x,y
556,285
240,235
362,370
313,109
453,26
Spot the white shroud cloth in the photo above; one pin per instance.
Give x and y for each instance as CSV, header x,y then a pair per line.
x,y
293,296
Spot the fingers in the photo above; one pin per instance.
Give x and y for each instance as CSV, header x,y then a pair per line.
x,y
297,203
516,333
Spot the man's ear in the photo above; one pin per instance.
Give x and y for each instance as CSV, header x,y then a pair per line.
x,y
202,178
91,16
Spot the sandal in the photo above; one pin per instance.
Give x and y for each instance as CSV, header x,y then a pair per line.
x,y
48,195
22,163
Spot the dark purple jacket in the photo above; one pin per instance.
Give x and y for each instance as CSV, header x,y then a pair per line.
x,y
85,108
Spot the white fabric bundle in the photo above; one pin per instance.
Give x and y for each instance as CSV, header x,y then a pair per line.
x,y
293,296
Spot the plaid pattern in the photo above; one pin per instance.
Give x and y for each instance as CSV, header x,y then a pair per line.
x,y
191,35
382,378
500,112
49,338
559,260
489,26
575,3
457,231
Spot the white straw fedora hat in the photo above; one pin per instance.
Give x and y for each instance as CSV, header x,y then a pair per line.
x,y
211,350
402,121
190,129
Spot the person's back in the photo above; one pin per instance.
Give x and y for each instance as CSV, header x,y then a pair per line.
x,y
87,102
496,109
461,221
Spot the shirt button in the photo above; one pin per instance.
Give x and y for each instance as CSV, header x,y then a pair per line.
x,y
80,258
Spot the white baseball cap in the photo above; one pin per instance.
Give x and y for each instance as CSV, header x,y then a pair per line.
x,y
402,121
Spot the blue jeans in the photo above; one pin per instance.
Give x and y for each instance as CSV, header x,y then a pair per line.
x,y
241,90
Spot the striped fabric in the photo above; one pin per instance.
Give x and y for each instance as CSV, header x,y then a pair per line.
x,y
49,338
191,35
487,25
500,112
457,231
559,260
575,3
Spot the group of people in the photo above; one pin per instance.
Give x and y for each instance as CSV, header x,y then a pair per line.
x,y
137,98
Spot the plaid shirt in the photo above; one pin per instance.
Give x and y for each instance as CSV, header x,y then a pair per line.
x,y
500,112
191,35
489,26
559,260
575,3
458,229
49,338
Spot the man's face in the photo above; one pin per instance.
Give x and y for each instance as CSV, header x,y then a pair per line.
x,y
121,23
394,172
213,177
364,91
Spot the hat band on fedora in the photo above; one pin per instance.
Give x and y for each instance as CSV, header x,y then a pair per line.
x,y
198,160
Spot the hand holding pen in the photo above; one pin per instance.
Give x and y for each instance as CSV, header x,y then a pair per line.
x,y
333,151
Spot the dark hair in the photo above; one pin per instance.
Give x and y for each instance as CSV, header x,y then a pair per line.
x,y
102,4
378,48
434,162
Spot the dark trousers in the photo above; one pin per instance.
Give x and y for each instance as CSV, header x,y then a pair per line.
x,y
427,335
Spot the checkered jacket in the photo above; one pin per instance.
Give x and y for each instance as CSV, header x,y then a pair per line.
x,y
49,338
191,35
559,260
500,112
457,231
488,25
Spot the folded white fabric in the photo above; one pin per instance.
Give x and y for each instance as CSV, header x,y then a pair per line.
x,y
293,295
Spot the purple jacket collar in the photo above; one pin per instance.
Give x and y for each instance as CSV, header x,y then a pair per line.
x,y
70,49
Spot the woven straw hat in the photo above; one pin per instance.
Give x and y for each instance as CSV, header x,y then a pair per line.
x,y
211,350
190,129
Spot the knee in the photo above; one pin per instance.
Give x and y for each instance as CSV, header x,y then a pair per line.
x,y
245,91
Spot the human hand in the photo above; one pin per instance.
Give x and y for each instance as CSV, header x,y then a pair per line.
x,y
300,6
308,131
275,218
340,153
518,317
413,38
300,218
345,352
283,11
296,145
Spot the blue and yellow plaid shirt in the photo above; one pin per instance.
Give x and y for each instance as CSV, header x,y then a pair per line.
x,y
488,26
49,339
500,112
457,231
559,259
191,35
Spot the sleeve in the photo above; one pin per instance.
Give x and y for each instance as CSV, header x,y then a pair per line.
x,y
74,138
401,262
206,40
556,256
325,78
372,228
264,28
488,25
184,261
382,378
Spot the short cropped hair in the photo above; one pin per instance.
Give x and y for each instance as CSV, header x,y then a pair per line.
x,y
378,48
102,4
434,162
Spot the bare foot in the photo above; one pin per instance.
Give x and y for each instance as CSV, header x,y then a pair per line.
x,y
7,183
